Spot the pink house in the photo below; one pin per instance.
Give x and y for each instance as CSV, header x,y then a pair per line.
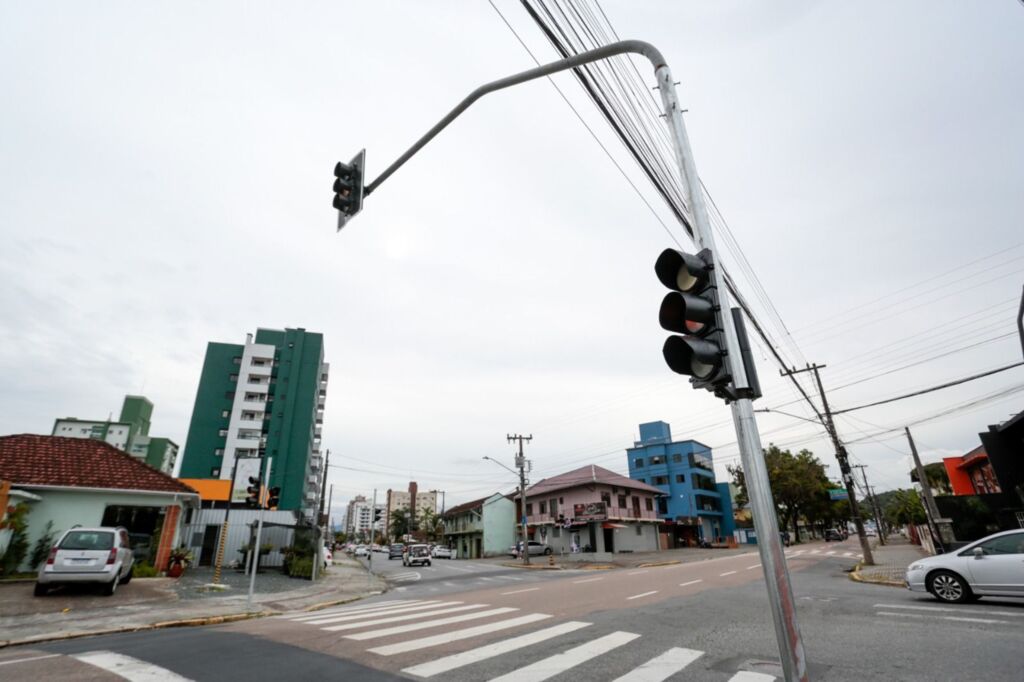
x,y
593,509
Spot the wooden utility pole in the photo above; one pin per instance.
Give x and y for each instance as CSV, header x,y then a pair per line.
x,y
844,463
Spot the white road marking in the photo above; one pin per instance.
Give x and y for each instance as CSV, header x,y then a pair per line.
x,y
448,663
662,667
513,577
345,611
847,553
984,612
815,551
954,618
748,676
722,575
390,611
129,668
829,553
559,663
642,594
528,589
399,619
412,627
401,589
461,570
751,568
692,582
588,580
449,584
455,635
30,658
490,580
405,577
636,572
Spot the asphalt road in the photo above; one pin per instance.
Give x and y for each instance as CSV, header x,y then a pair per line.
x,y
466,620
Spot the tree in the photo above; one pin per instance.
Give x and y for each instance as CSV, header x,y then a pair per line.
x,y
431,525
399,523
904,507
938,478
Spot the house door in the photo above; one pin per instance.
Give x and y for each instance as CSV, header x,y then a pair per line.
x,y
209,551
479,550
609,539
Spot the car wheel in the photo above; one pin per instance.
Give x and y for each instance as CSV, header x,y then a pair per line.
x,y
949,587
127,578
428,563
111,587
40,590
547,551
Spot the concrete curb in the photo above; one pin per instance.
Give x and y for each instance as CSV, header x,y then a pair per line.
x,y
533,567
652,564
338,602
855,575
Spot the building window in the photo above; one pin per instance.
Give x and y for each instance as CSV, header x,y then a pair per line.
x,y
622,500
677,458
215,472
218,452
680,478
657,460
222,433
529,509
543,507
639,462
607,499
561,500
237,360
649,504
233,377
661,480
662,505
639,528
225,413
553,505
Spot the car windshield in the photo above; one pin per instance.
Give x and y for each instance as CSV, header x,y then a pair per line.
x,y
87,539
418,550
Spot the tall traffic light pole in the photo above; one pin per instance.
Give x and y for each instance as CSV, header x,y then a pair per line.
x,y
780,591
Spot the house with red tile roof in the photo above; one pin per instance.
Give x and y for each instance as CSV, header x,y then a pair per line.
x,y
73,481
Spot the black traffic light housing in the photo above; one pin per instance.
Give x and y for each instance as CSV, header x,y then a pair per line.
x,y
348,187
253,492
273,497
692,309
376,515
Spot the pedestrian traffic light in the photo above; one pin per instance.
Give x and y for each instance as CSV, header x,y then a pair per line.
x,y
253,492
348,188
692,309
273,497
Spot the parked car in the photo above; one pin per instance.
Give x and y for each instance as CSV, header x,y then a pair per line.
x,y
990,567
361,550
88,555
416,554
441,552
535,548
396,551
870,532
328,557
833,535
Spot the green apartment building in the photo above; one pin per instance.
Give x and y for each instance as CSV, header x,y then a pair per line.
x,y
129,433
262,398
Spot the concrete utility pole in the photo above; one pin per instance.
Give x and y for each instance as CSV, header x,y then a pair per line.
x,y
844,463
521,465
931,511
873,502
373,530
780,590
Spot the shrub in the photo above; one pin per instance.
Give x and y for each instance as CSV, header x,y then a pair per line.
x,y
300,568
42,547
143,570
18,546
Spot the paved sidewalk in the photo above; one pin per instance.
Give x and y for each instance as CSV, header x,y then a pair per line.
x,y
891,561
156,602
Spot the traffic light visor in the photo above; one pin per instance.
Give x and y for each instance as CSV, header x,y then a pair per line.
x,y
681,271
692,357
686,314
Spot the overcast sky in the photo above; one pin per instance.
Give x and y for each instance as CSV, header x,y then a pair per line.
x,y
165,174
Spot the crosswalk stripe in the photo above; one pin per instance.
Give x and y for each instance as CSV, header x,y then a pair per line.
x,y
559,663
357,609
749,676
129,668
400,618
412,627
455,635
437,603
662,667
447,663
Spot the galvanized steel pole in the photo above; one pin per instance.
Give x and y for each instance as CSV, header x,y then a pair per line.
x,y
255,551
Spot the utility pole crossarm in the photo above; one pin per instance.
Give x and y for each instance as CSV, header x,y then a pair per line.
x,y
623,47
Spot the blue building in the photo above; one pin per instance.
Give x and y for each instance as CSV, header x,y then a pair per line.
x,y
694,506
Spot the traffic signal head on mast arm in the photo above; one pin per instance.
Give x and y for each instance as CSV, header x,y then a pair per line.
x,y
692,309
348,187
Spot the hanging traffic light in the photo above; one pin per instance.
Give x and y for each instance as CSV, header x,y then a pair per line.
x,y
253,492
692,309
348,188
273,497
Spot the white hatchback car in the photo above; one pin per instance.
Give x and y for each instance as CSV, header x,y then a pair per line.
x,y
88,555
990,567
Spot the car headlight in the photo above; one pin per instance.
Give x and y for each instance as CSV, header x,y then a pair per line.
x,y
915,567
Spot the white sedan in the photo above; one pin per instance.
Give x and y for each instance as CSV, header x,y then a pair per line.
x,y
990,567
441,552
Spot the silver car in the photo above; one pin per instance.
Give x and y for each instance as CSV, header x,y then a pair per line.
x,y
88,555
990,567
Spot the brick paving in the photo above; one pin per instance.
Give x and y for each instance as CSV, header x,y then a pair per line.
x,y
891,560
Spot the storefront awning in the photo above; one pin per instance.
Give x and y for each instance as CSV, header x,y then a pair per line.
x,y
609,524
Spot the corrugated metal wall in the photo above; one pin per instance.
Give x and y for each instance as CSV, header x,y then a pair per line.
x,y
240,524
